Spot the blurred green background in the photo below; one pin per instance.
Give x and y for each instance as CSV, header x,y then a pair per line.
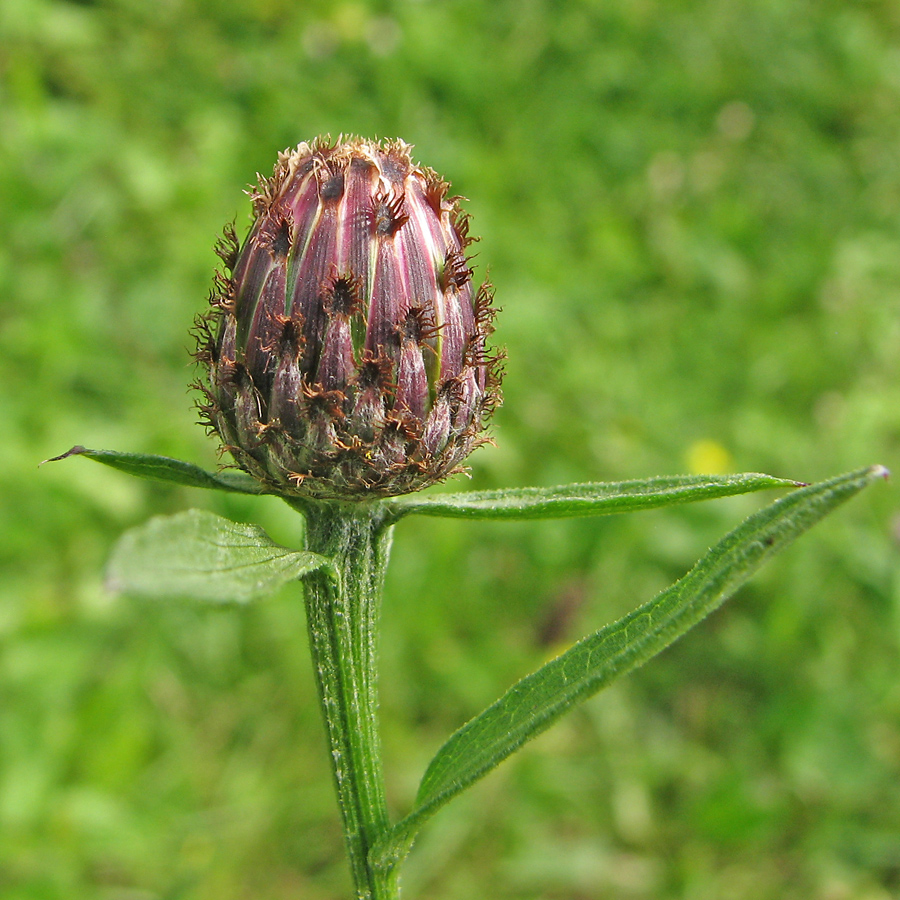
x,y
691,213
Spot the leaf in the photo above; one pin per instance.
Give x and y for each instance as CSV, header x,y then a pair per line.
x,y
539,699
164,468
593,499
201,555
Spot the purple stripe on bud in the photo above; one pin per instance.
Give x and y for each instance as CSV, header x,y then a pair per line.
x,y
412,385
336,366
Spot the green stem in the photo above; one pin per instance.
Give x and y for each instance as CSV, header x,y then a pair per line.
x,y
342,608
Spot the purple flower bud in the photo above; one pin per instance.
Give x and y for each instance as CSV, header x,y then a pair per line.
x,y
346,345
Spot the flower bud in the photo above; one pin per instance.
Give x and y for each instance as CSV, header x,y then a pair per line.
x,y
346,346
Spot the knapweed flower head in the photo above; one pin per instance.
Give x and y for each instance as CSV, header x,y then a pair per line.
x,y
346,346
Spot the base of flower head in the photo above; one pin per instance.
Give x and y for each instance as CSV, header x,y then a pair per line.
x,y
328,460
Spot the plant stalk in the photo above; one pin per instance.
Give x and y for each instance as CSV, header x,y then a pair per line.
x,y
342,609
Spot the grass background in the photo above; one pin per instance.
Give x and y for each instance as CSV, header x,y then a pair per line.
x,y
691,213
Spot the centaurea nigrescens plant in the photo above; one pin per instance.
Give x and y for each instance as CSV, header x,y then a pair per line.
x,y
347,365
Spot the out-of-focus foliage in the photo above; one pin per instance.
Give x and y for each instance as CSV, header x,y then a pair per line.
x,y
691,212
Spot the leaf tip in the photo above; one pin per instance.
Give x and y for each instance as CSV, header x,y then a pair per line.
x,y
77,450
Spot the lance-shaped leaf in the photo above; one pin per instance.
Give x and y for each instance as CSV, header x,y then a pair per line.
x,y
201,555
593,499
164,468
539,699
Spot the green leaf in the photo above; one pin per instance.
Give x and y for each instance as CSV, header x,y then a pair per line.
x,y
539,699
163,468
592,499
201,555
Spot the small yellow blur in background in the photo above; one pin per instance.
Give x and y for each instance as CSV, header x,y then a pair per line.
x,y
708,457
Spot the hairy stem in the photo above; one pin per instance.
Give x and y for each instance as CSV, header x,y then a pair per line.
x,y
342,608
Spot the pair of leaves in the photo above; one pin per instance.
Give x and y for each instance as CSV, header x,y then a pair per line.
x,y
566,501
202,555
533,704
